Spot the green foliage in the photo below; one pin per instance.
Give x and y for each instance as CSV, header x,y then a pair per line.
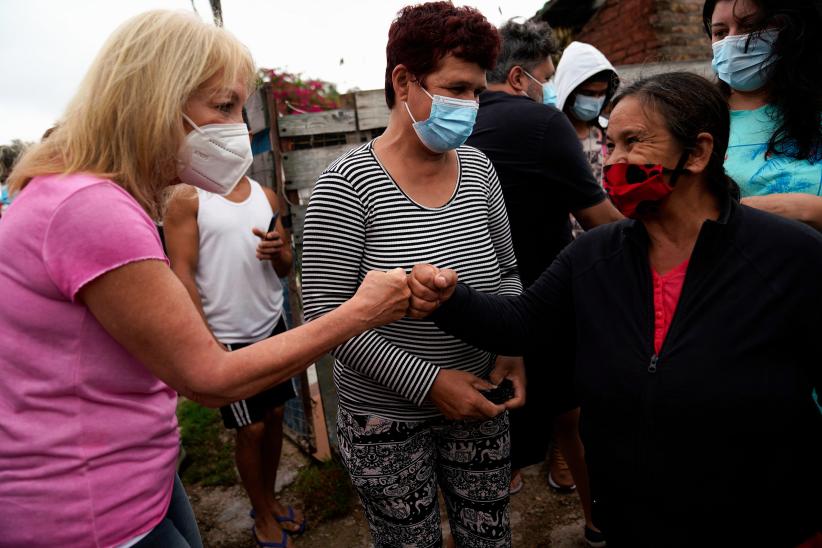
x,y
209,448
325,490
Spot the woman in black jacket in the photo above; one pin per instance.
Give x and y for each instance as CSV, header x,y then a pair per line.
x,y
696,325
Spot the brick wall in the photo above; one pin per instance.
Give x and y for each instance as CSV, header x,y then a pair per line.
x,y
678,25
621,31
648,31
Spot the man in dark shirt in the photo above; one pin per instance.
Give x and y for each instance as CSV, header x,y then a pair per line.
x,y
544,176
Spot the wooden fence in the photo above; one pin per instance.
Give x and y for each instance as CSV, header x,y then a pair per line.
x,y
290,152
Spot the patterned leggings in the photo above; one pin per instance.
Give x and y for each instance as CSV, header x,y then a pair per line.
x,y
395,467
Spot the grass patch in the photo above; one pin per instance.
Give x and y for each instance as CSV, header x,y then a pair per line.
x,y
325,490
209,448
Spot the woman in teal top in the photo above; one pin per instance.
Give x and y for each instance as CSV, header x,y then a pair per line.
x,y
766,55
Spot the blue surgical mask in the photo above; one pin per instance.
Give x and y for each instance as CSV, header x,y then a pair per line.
x,y
744,69
549,94
449,125
587,108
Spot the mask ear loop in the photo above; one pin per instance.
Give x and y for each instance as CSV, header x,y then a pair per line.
x,y
416,81
679,166
195,126
414,120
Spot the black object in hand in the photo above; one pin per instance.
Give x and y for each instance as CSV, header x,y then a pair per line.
x,y
273,224
501,394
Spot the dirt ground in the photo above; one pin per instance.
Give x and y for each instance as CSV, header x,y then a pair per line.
x,y
539,517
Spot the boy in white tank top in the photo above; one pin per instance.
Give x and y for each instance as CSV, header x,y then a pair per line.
x,y
220,249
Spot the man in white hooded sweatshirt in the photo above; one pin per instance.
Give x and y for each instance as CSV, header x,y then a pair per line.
x,y
544,176
585,82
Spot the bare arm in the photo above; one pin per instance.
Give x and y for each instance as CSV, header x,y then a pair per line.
x,y
805,208
602,213
275,246
183,240
145,307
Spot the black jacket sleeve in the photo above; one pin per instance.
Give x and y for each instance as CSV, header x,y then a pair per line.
x,y
512,325
567,167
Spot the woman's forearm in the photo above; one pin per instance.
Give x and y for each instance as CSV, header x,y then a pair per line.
x,y
146,309
382,298
805,208
240,374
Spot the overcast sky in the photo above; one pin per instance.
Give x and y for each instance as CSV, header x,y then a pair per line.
x,y
47,45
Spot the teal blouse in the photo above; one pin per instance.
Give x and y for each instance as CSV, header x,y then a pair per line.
x,y
757,173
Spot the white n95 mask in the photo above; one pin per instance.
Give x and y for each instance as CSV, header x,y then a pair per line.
x,y
214,157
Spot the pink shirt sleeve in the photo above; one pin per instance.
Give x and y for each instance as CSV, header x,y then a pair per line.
x,y
95,230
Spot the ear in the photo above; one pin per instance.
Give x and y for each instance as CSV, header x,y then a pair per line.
x,y
401,79
701,153
516,79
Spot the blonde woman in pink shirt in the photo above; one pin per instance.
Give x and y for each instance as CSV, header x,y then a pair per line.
x,y
98,335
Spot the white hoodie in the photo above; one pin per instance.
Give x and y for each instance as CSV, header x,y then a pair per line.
x,y
578,63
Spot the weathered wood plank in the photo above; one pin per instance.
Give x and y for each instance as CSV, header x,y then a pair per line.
x,y
372,112
262,169
330,121
302,167
298,224
255,109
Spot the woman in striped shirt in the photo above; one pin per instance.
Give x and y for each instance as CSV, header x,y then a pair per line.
x,y
411,412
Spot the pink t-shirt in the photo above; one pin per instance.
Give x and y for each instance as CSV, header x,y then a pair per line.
x,y
667,289
88,436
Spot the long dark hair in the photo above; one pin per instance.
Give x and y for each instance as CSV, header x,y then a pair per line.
x,y
690,105
796,78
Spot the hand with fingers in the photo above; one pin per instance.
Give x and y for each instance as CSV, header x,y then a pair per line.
x,y
457,395
430,287
513,369
271,244
381,298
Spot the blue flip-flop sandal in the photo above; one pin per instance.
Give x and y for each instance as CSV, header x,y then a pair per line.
x,y
292,518
282,519
263,544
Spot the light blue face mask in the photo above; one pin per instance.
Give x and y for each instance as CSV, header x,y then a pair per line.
x,y
744,70
449,125
587,108
549,94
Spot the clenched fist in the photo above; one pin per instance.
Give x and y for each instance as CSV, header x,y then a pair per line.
x,y
430,287
382,297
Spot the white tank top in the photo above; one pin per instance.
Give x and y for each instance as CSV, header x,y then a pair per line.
x,y
242,296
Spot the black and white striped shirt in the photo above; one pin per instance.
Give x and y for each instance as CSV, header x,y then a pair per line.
x,y
358,220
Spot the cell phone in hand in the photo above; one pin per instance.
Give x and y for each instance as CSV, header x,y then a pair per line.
x,y
501,394
273,224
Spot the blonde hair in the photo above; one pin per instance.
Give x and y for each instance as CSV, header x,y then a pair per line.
x,y
125,121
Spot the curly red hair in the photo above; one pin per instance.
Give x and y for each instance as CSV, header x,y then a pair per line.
x,y
423,34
